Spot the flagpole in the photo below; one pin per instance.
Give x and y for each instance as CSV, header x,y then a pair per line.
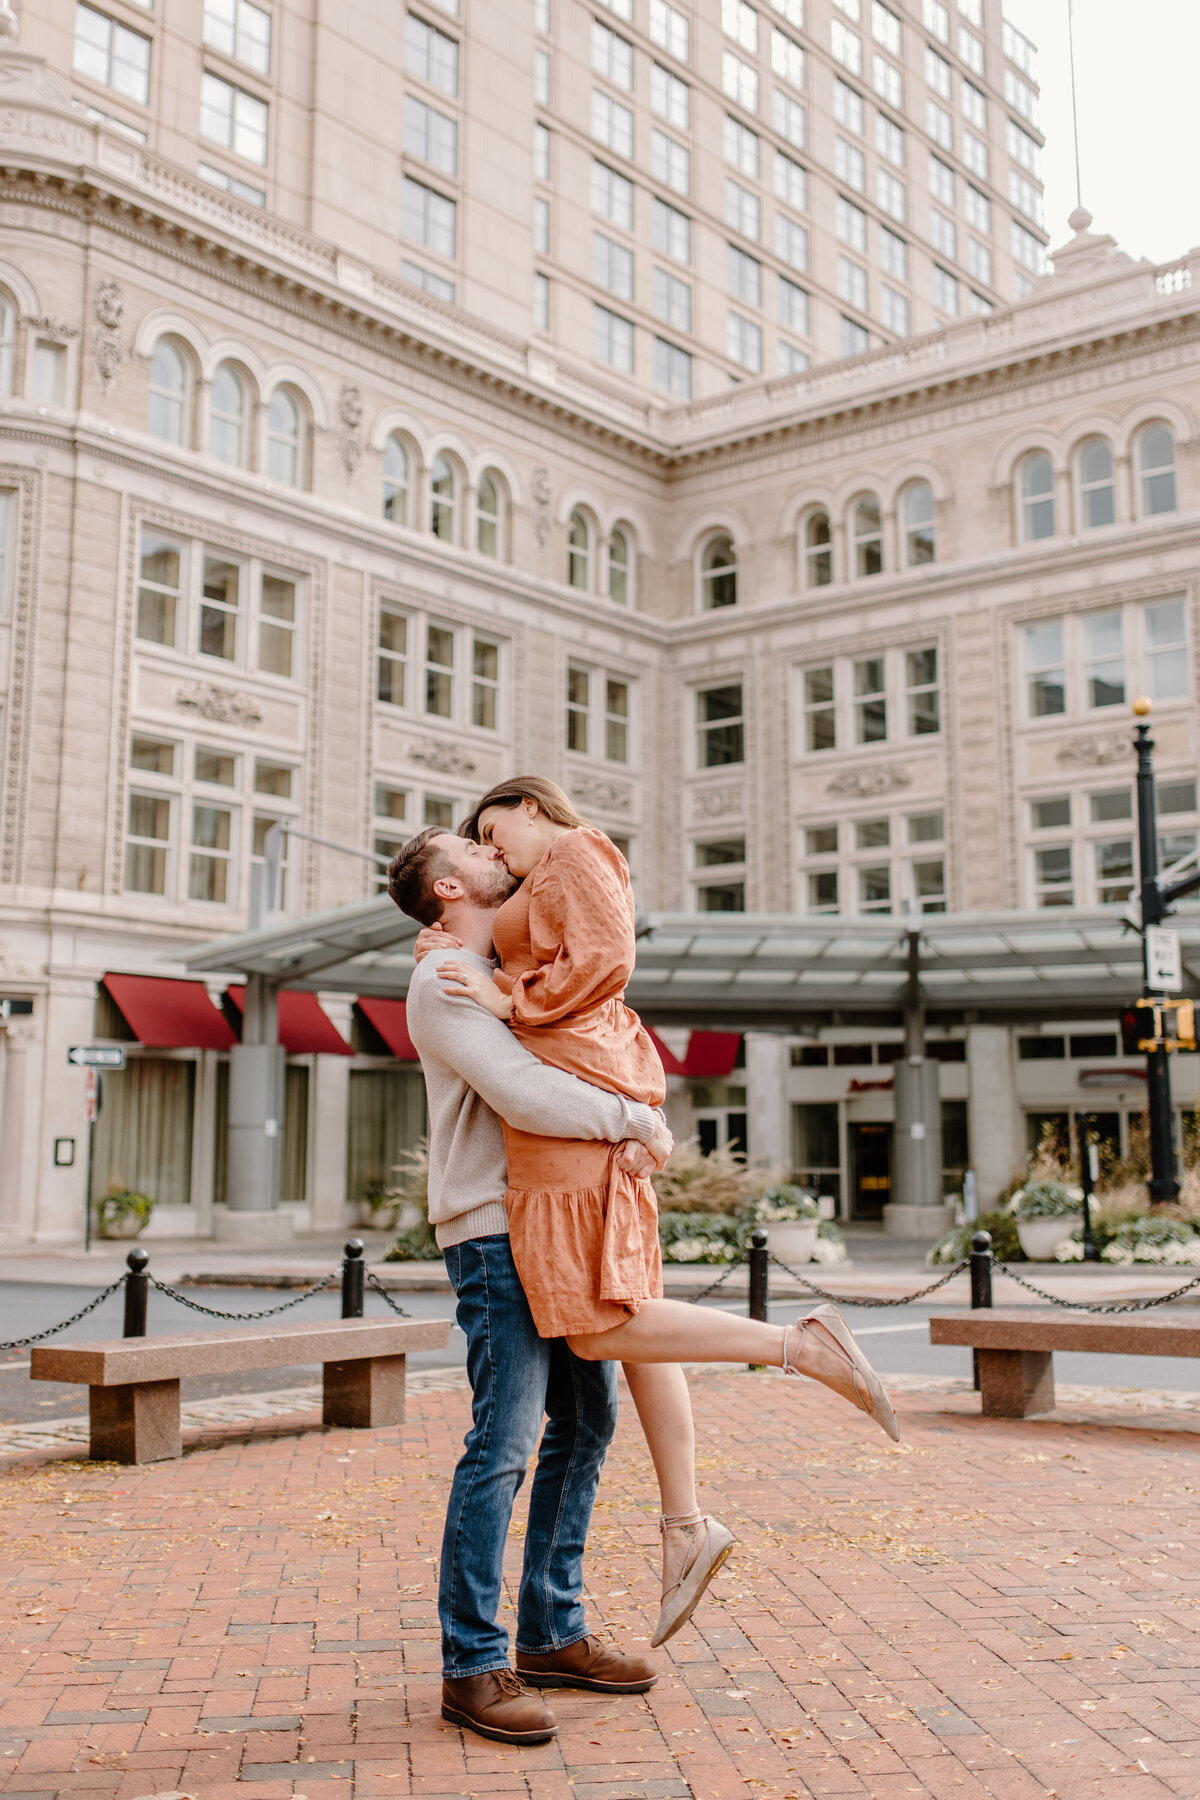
x,y
1074,105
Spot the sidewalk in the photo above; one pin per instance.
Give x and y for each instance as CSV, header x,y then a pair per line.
x,y
996,1607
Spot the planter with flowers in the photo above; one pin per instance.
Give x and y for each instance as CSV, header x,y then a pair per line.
x,y
1047,1212
122,1213
792,1219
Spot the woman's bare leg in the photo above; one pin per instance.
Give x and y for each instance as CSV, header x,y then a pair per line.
x,y
664,1408
673,1331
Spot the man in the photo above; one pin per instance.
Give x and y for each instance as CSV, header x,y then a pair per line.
x,y
476,1073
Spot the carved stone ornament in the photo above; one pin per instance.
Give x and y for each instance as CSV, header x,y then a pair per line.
x,y
540,516
223,706
717,803
1101,748
868,784
444,759
350,413
108,307
10,25
609,796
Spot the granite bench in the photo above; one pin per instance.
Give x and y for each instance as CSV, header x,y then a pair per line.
x,y
133,1383
1016,1346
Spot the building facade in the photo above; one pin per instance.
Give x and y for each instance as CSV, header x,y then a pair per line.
x,y
289,536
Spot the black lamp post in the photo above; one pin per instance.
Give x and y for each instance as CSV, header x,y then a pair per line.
x,y
1164,1184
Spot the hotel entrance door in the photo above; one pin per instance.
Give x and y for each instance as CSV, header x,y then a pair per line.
x,y
870,1169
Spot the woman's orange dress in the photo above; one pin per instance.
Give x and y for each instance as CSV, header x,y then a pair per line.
x,y
584,1234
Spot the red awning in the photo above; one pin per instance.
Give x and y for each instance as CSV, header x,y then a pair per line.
x,y
165,1014
390,1020
305,1028
710,1055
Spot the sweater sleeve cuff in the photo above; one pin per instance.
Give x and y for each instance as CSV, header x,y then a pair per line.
x,y
642,1121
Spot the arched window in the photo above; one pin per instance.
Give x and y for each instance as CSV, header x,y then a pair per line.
x,y
1156,469
1097,495
818,550
395,482
1037,498
919,542
620,559
868,537
168,393
579,552
283,439
718,574
489,516
227,417
8,332
443,499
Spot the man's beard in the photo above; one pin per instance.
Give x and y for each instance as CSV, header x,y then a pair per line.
x,y
491,886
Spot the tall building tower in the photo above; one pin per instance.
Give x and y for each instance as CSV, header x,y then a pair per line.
x,y
684,195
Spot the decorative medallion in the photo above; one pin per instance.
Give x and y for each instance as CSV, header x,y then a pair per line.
x,y
1102,747
717,803
223,706
609,796
350,414
444,759
868,784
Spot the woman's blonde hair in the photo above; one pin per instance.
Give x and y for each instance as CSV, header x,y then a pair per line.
x,y
548,796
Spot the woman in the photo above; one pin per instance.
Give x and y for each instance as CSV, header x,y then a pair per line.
x,y
584,1234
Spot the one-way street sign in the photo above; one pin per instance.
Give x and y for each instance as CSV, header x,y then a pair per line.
x,y
96,1056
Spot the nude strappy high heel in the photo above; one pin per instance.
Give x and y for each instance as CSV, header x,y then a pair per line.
x,y
855,1381
707,1545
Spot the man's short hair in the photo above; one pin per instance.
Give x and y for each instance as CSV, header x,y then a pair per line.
x,y
413,871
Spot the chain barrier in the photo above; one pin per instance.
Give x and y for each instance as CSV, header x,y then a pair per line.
x,y
51,1330
1092,1306
866,1299
374,1282
268,1312
719,1282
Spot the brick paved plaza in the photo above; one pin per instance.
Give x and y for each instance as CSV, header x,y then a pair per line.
x,y
997,1607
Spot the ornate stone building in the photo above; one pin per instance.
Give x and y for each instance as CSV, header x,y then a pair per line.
x,y
287,537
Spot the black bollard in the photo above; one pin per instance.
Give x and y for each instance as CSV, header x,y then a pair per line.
x,y
981,1282
759,1260
354,1280
137,1293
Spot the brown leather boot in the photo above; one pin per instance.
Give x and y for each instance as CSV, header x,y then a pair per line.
x,y
498,1705
588,1664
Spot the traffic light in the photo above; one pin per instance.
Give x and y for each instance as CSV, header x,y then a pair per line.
x,y
1158,1023
1131,1030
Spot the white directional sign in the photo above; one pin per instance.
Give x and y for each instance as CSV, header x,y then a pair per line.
x,y
1164,965
96,1056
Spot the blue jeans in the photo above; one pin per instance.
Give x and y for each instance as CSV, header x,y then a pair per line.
x,y
516,1378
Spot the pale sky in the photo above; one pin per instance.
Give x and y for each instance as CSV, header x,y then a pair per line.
x,y
1135,68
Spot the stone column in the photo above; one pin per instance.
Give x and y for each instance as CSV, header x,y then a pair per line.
x,y
768,1113
251,1213
1123,484
993,1115
329,1106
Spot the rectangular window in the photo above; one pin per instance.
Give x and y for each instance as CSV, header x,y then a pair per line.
x,y
870,701
890,195
1166,651
612,266
788,118
944,233
541,153
889,139
1018,48
926,827
791,182
741,146
1104,659
937,73
429,218
887,82
391,660
670,162
1114,870
794,312
893,309
152,756
1025,196
848,107
743,275
936,19
979,261
791,242
612,339
739,81
1021,97
541,77
972,10
939,124
1027,249
672,300
855,338
485,683
941,180
852,283
1177,797
670,98
622,8
541,16
1023,149
541,302
875,889
851,225
219,608
147,843
929,885
921,692
975,154
1050,815
541,227
787,59
612,196
885,27
240,30
670,30
846,46
212,854
742,209
579,683
822,893
743,341
1052,876
1045,669
277,622
978,209
850,165
671,232
439,671
231,184
791,359
160,589
233,118
430,136
740,22
616,720
974,106
427,281
672,370
612,123
893,253
720,731
612,56
112,54
430,55
820,718
792,11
